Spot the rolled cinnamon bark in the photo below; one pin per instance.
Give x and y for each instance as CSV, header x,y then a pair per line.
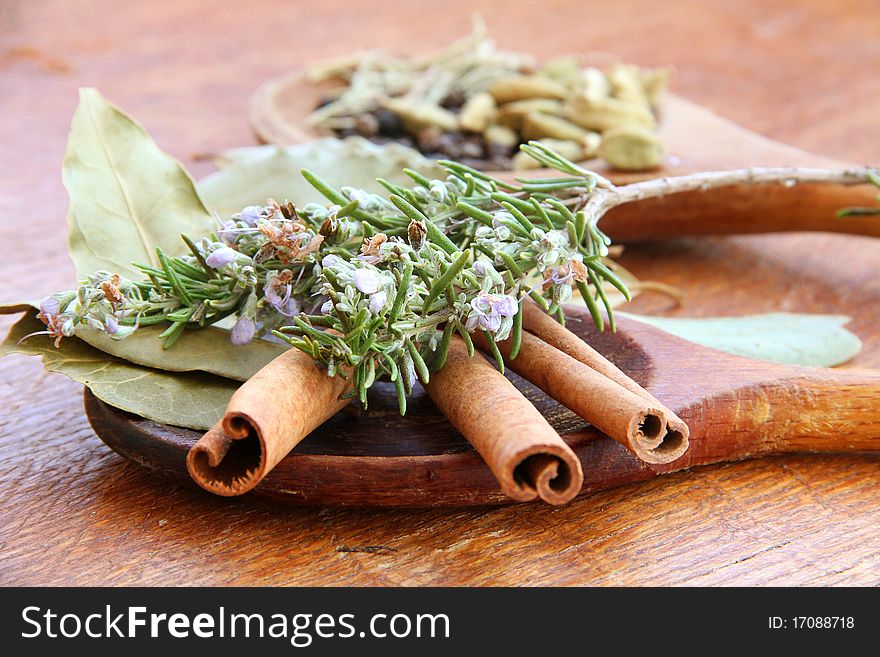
x,y
666,447
266,418
524,453
636,423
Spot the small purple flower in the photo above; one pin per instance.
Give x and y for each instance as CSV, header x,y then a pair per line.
x,y
482,303
490,322
111,325
482,268
49,305
251,214
330,261
505,305
283,303
221,257
228,232
378,301
243,331
488,311
366,280
276,291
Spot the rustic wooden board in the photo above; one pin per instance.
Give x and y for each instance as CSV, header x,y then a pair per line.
x,y
74,512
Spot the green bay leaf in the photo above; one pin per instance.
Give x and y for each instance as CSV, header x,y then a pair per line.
x,y
126,196
206,350
250,175
194,400
790,338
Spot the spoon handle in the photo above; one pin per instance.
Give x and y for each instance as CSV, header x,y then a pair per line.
x,y
740,209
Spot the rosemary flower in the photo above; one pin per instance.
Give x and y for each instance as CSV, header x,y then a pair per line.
x,y
493,313
243,330
366,280
221,257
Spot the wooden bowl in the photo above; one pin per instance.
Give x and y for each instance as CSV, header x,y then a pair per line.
x,y
694,138
279,107
736,408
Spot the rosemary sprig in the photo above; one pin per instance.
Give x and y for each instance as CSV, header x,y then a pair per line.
x,y
378,285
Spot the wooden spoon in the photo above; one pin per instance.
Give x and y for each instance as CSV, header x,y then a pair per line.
x,y
698,140
695,140
737,408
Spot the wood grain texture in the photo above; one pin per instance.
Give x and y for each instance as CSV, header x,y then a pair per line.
x,y
73,512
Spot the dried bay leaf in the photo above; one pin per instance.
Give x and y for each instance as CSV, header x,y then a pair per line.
x,y
126,195
194,400
789,338
206,350
250,175
126,198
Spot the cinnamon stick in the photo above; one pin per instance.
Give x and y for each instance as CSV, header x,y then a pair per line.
x,y
266,418
668,447
524,453
636,423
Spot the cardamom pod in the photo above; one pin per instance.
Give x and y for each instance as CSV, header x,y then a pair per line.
x,y
592,84
631,149
511,115
416,115
564,70
655,81
626,84
607,113
523,87
499,135
537,125
590,143
477,112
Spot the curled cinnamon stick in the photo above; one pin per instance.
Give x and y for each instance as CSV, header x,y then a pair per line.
x,y
636,423
265,419
524,453
665,449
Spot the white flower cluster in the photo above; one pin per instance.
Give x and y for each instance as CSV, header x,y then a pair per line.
x,y
364,286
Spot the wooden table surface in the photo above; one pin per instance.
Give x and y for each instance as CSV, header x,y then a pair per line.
x,y
73,512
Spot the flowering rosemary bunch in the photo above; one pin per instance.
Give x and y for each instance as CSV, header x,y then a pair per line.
x,y
373,286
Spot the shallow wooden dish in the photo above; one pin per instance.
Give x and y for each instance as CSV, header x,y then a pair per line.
x,y
695,138
737,408
279,107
